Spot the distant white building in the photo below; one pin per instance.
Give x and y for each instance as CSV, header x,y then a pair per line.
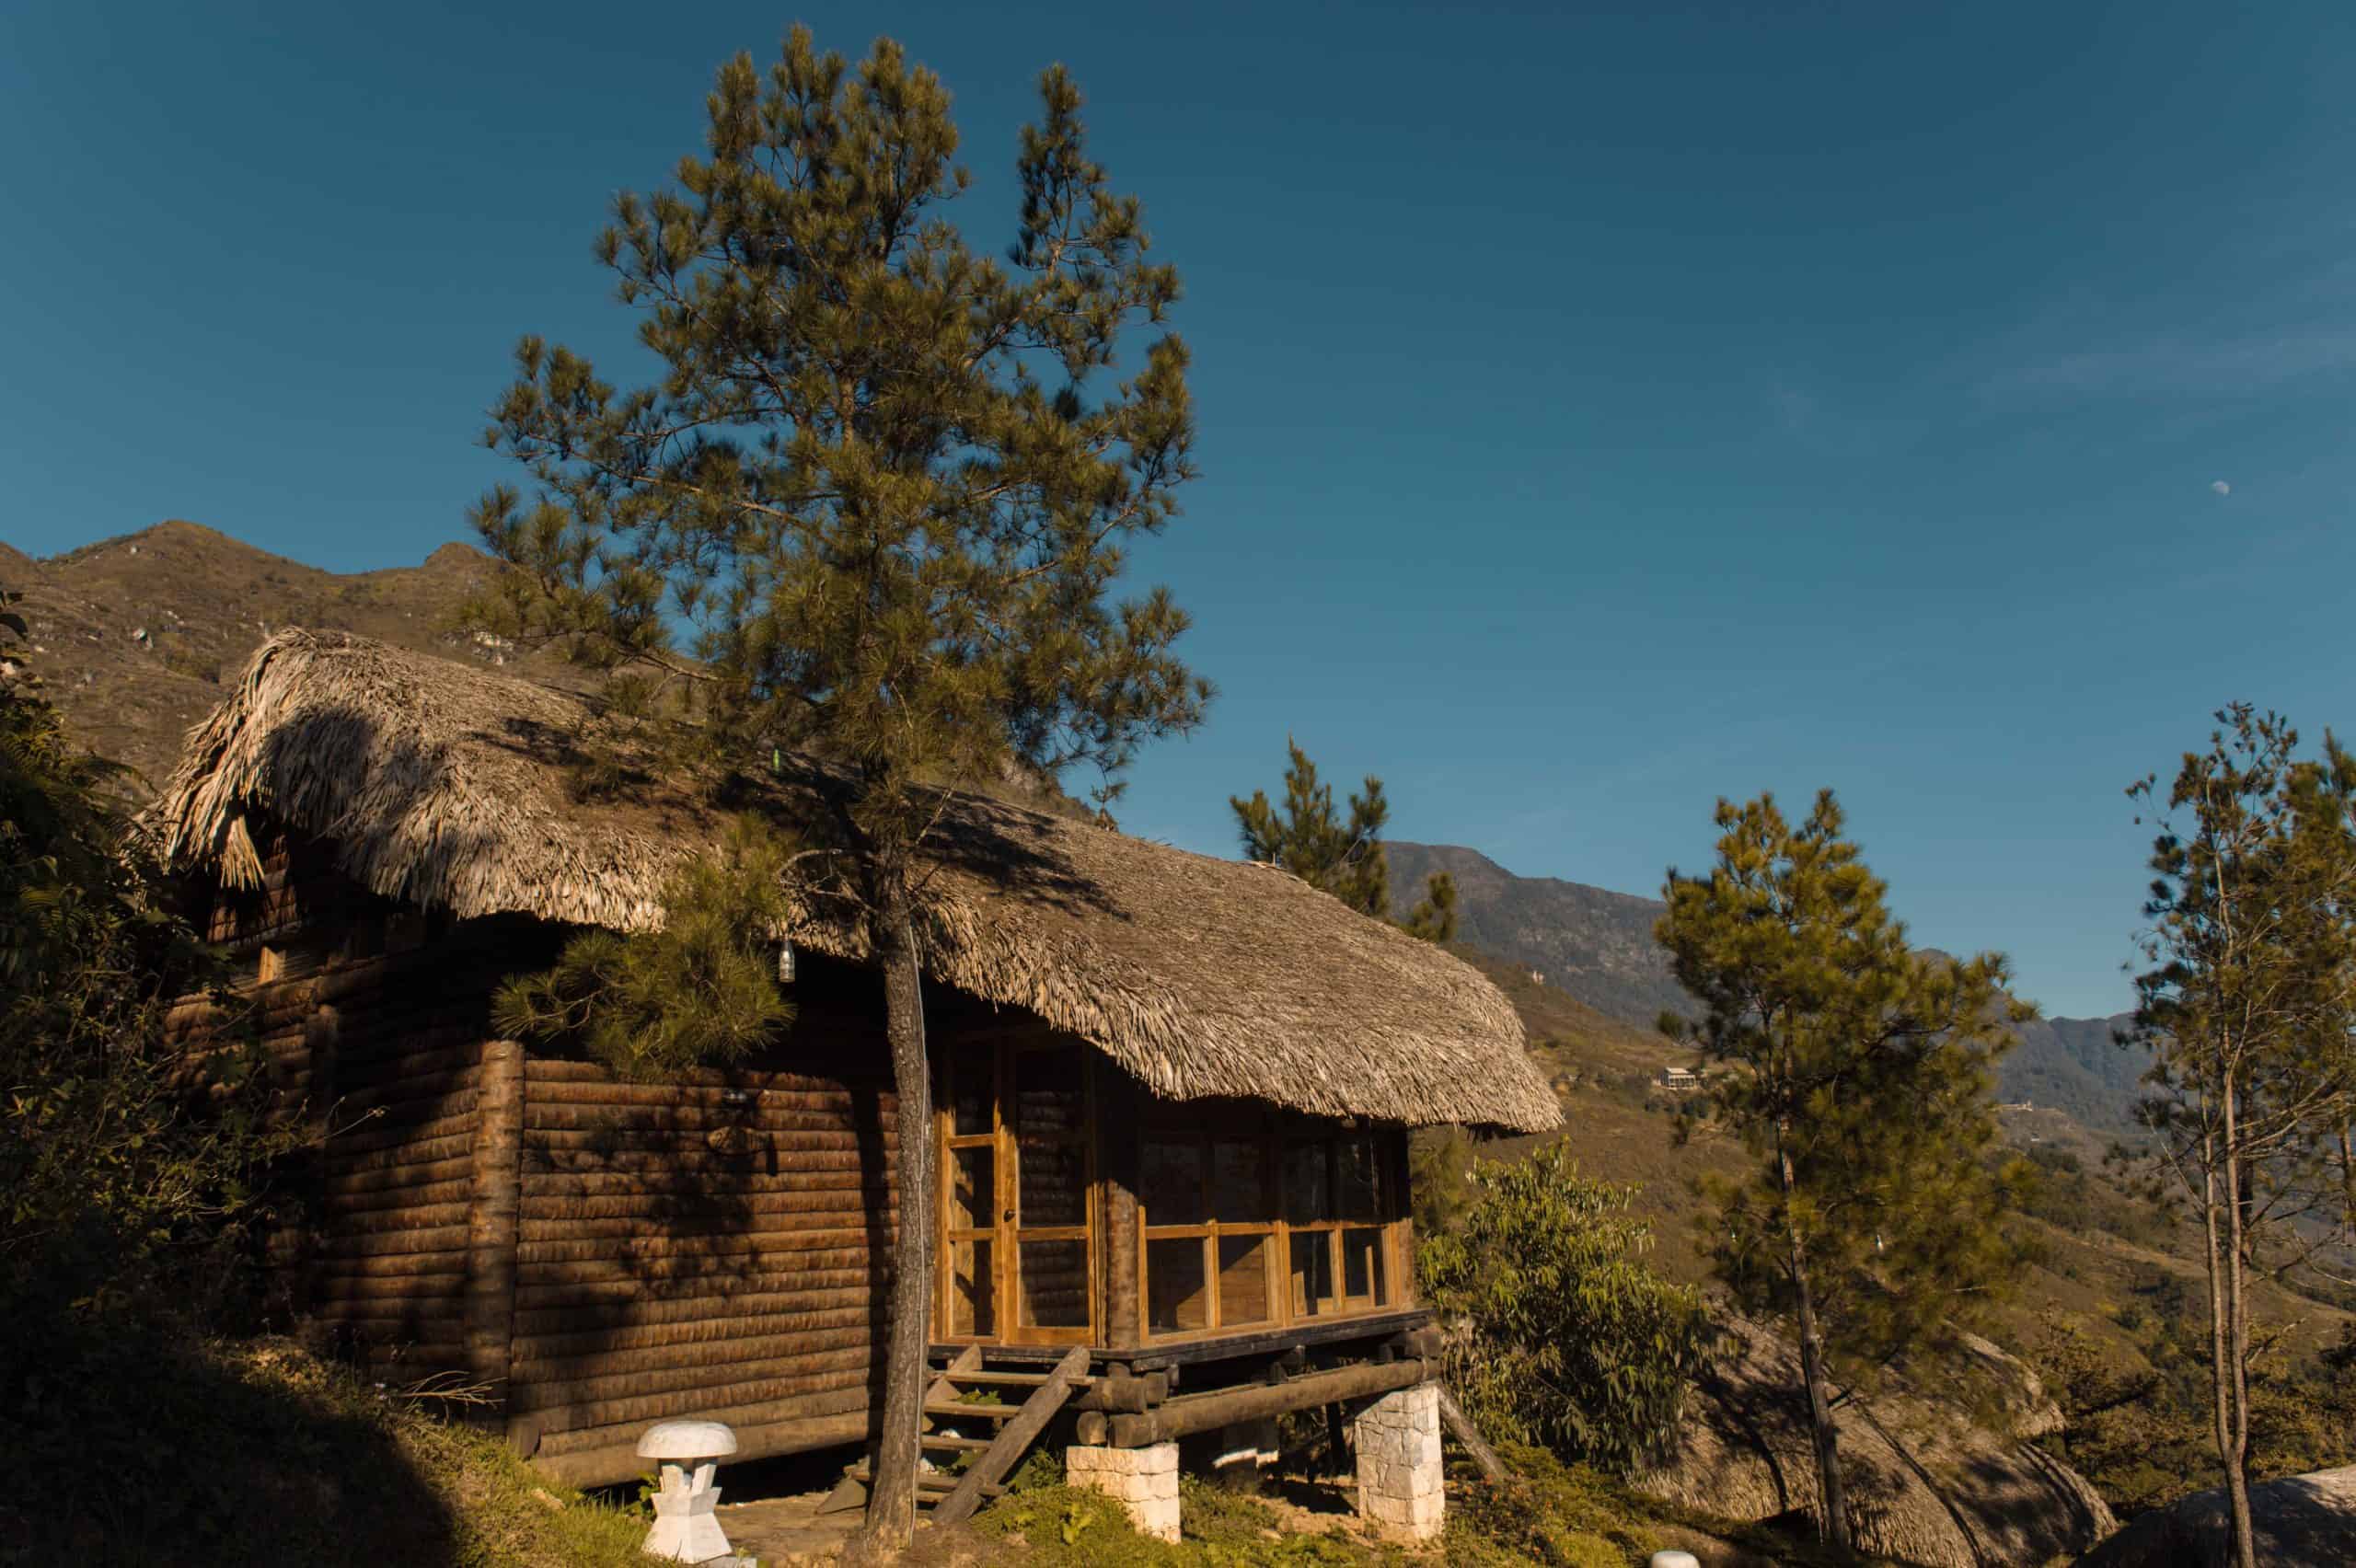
x,y
1679,1080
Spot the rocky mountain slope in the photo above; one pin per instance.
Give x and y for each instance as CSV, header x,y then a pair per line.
x,y
135,635
1598,947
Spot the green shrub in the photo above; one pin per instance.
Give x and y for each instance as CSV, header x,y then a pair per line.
x,y
126,1154
1562,1336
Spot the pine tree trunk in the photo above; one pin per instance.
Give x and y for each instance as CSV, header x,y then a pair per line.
x,y
2237,1340
2215,1208
891,1505
1819,1404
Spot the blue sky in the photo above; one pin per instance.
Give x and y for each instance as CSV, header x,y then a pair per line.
x,y
1601,409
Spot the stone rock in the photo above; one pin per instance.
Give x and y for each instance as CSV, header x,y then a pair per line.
x,y
1927,1482
2301,1521
1143,1481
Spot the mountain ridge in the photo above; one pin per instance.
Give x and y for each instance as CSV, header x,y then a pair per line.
x,y
1597,946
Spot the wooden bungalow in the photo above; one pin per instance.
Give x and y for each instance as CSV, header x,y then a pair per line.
x,y
1170,1116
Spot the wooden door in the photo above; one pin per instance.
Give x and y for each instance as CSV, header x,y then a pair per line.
x,y
1018,1235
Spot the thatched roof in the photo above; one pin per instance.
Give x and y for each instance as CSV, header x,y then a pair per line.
x,y
445,785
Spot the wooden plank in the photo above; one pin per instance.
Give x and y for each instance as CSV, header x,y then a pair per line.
x,y
1013,1440
1460,1427
1191,1413
1373,1325
944,1390
961,1410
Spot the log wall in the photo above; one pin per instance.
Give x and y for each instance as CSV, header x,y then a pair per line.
x,y
718,1248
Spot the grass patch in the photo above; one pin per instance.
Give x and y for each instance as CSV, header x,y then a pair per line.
x,y
1545,1514
1064,1527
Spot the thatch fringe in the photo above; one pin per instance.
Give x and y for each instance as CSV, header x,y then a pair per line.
x,y
442,784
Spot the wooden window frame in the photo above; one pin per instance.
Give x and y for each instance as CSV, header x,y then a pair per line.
x,y
1276,1132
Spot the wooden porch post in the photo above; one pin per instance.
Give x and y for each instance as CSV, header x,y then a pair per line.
x,y
1116,1167
491,1220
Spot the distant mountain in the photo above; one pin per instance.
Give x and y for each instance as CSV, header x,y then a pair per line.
x,y
1596,945
1599,946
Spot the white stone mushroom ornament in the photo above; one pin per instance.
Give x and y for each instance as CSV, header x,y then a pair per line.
x,y
684,1528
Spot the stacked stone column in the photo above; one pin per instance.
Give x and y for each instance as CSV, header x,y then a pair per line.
x,y
1397,1438
1144,1481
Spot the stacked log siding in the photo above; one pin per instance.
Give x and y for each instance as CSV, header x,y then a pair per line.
x,y
717,1248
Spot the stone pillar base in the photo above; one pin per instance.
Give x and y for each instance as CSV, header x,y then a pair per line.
x,y
1143,1481
1397,1438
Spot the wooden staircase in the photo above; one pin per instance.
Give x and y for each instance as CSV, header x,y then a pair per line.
x,y
970,1414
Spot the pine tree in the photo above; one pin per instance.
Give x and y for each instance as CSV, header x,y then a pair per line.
x,y
1344,858
2247,1010
1859,1075
873,507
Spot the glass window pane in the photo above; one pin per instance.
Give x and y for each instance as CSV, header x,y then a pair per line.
x,y
1239,1183
1175,1299
1050,1096
1313,1274
1362,1272
1170,1181
1053,1181
973,1299
969,1099
1053,1284
972,1197
1307,1200
1356,1177
1243,1281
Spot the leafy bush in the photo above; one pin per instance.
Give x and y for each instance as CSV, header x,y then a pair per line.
x,y
125,1155
1561,1335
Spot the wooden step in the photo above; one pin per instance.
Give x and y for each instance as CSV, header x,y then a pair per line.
x,y
991,1466
941,1443
967,1412
932,1485
1016,1380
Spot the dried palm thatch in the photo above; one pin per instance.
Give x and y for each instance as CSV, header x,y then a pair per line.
x,y
440,784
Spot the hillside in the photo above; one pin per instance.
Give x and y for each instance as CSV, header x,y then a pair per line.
x,y
1598,947
135,635
2102,1250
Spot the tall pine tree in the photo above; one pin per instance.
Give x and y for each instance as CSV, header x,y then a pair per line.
x,y
1859,1075
874,506
1343,858
2247,1008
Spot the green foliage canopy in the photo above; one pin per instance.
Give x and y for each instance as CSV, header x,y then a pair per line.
x,y
1343,858
2247,1007
1862,1084
879,482
701,990
1570,1341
